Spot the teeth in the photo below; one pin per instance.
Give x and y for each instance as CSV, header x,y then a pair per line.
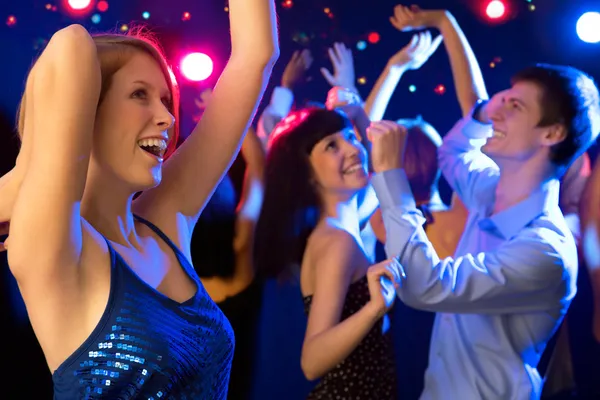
x,y
160,143
498,134
353,169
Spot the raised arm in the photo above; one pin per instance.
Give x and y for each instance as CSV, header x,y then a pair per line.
x,y
249,207
58,120
283,95
192,173
328,341
410,57
468,79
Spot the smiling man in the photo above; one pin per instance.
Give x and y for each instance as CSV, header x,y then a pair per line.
x,y
514,273
507,288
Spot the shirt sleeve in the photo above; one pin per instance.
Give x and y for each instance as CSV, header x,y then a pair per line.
x,y
461,161
525,274
279,107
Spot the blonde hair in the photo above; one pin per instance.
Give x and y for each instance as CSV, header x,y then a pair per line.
x,y
114,51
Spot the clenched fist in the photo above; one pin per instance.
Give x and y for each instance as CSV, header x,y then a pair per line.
x,y
388,140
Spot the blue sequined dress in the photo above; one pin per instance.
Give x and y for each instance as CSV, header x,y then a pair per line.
x,y
148,346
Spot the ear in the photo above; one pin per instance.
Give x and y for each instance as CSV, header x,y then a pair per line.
x,y
554,134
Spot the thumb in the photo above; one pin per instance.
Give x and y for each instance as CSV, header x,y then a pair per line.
x,y
328,77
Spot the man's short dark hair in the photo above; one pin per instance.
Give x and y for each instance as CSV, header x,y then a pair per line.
x,y
570,98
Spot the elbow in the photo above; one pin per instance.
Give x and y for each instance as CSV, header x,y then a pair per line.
x,y
309,365
308,369
74,37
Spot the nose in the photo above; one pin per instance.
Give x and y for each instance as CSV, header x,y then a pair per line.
x,y
353,149
497,106
163,117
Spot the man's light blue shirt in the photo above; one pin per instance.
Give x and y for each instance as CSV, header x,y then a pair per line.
x,y
503,295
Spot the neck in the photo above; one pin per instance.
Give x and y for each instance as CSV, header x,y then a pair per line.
x,y
107,207
343,210
518,180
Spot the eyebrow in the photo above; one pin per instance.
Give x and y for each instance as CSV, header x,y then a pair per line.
x,y
147,84
516,100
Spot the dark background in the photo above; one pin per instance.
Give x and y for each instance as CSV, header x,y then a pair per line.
x,y
546,34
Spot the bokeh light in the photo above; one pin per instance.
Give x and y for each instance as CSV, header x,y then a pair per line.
x,y
588,27
196,66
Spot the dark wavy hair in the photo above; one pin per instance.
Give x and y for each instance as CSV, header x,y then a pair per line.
x,y
291,205
420,158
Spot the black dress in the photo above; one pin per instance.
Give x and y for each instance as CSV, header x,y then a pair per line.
x,y
369,371
242,311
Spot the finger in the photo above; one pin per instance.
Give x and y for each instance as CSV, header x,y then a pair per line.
x,y
391,125
340,53
395,23
328,77
413,44
294,58
396,270
347,53
435,43
307,58
424,41
334,58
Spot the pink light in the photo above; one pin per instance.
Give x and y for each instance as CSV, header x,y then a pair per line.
x,y
495,9
196,66
79,4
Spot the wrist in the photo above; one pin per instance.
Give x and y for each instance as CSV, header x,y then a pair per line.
x,y
374,311
394,69
480,112
442,20
381,168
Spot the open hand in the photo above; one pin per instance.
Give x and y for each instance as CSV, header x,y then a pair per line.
x,y
417,52
343,67
295,70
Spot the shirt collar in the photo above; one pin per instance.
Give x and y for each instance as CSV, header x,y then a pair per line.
x,y
510,221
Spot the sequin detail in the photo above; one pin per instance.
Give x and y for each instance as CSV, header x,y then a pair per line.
x,y
369,372
147,346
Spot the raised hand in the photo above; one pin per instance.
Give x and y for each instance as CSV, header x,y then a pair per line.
x,y
295,70
417,52
411,18
343,67
383,280
388,140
